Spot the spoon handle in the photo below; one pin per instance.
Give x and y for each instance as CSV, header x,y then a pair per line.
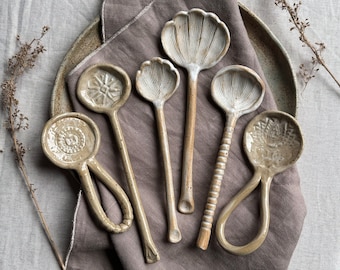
x,y
215,186
186,203
174,234
265,215
94,202
150,251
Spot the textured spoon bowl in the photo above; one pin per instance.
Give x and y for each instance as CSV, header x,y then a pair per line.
x,y
237,89
273,141
157,80
103,87
195,37
70,139
195,40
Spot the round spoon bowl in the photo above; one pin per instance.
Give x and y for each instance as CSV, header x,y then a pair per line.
x,y
70,139
103,88
273,141
237,90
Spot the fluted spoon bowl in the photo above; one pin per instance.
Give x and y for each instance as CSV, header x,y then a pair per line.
x,y
156,81
195,40
238,90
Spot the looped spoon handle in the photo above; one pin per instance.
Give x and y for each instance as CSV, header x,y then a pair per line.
x,y
94,202
265,215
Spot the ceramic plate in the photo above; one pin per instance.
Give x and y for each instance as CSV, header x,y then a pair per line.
x,y
272,56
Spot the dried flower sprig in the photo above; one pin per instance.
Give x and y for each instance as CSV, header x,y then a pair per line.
x,y
306,71
21,62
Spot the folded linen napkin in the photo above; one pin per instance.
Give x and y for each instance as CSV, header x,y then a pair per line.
x,y
131,35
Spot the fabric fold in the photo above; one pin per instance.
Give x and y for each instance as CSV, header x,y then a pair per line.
x,y
131,33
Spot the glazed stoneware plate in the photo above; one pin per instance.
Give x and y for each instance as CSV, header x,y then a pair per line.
x,y
272,56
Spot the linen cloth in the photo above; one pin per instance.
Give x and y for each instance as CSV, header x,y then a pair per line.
x,y
132,35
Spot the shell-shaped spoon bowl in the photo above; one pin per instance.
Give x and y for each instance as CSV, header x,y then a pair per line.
x,y
273,141
157,80
103,88
237,90
195,37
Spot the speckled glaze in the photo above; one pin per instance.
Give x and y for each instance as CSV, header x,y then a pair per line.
x,y
195,40
71,141
273,142
238,90
105,88
156,81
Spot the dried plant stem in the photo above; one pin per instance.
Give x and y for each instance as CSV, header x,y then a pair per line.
x,y
316,52
21,165
300,25
16,121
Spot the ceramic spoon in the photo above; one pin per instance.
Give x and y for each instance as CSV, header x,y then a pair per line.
x,y
156,81
104,89
238,90
71,141
195,40
273,142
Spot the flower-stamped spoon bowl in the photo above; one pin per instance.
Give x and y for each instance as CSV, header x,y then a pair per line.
x,y
156,81
71,141
238,90
195,40
105,88
273,142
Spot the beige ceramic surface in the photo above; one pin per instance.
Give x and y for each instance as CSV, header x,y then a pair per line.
x,y
273,142
104,89
238,90
156,81
71,141
272,56
200,48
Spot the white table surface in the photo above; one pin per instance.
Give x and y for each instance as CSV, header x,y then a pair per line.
x,y
23,244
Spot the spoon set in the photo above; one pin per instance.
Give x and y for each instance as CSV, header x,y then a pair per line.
x,y
195,40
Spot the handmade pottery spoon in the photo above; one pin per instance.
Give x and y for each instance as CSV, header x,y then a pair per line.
x,y
156,81
238,90
71,141
104,89
273,142
195,40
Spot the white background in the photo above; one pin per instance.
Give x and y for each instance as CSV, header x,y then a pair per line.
x,y
22,242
